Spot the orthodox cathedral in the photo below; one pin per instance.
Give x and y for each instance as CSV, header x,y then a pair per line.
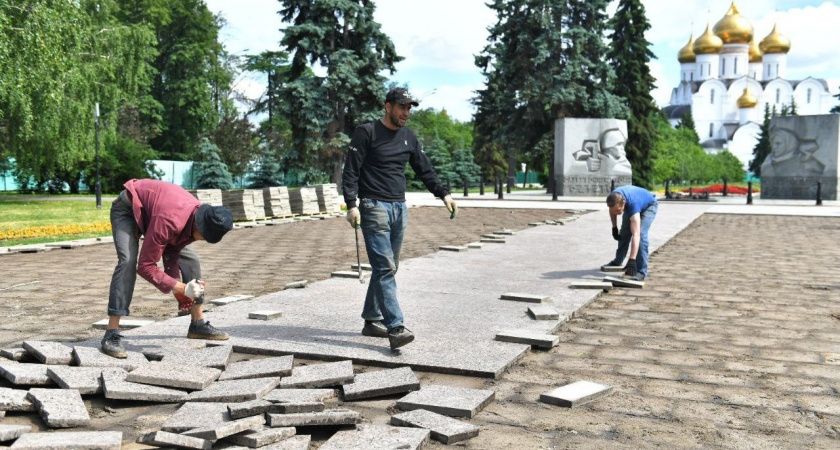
x,y
726,79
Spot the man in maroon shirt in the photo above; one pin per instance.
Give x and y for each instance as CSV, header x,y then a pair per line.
x,y
170,219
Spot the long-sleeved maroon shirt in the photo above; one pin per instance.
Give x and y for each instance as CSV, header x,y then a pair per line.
x,y
165,213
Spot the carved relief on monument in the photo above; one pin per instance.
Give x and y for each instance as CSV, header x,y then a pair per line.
x,y
590,156
792,155
607,150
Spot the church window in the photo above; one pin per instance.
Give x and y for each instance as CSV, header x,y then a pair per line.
x,y
713,96
711,129
735,70
722,67
691,75
778,95
809,95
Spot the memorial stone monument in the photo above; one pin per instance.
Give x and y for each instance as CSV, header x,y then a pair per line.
x,y
589,155
804,150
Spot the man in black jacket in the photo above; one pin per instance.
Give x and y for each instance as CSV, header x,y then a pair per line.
x,y
374,171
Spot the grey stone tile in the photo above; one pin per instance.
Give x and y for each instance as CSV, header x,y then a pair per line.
x,y
475,245
544,312
233,391
319,375
528,337
116,387
15,400
299,395
231,299
292,408
223,430
196,415
297,284
277,366
365,266
379,383
528,298
92,357
535,224
344,274
167,439
576,394
453,248
125,324
330,417
591,285
26,374
12,432
49,352
174,375
378,437
444,429
262,436
621,282
86,380
60,408
70,440
248,409
265,314
493,236
447,400
492,241
2,414
606,268
215,357
505,232
18,354
300,442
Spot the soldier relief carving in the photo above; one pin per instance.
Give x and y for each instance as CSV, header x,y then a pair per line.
x,y
606,152
792,155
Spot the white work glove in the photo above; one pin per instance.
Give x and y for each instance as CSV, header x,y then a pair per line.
x,y
450,205
353,217
194,289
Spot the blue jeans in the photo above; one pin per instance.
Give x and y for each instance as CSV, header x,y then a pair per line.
x,y
625,236
383,226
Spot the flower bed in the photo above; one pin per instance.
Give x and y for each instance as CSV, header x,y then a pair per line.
x,y
718,189
53,230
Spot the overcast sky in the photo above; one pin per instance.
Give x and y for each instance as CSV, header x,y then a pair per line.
x,y
438,39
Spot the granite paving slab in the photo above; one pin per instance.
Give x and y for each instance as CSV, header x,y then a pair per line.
x,y
301,407
248,409
233,391
576,394
92,357
365,266
12,432
345,274
215,357
603,285
26,374
492,241
174,375
86,380
262,436
319,375
196,415
607,268
297,284
223,430
447,400
70,440
18,354
299,442
622,282
535,339
544,312
378,437
505,232
279,366
444,429
380,383
49,352
492,236
167,439
125,324
15,400
231,299
453,248
299,395
2,414
265,314
115,386
60,408
475,245
329,417
527,298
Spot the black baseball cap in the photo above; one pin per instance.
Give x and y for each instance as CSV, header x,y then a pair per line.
x,y
400,95
213,222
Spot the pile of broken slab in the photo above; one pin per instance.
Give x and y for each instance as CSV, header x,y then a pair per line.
x,y
256,403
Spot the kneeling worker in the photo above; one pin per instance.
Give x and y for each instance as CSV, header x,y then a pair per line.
x,y
637,208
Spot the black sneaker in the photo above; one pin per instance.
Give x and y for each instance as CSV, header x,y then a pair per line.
x,y
399,336
204,330
111,345
374,329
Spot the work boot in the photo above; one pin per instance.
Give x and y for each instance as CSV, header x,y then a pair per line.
x,y
399,336
201,329
374,328
111,345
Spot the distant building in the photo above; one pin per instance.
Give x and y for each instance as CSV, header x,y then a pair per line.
x,y
726,79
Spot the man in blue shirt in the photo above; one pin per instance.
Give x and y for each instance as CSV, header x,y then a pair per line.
x,y
637,208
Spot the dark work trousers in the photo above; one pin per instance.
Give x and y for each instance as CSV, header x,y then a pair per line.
x,y
127,243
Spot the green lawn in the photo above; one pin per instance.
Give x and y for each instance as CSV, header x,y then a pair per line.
x,y
20,214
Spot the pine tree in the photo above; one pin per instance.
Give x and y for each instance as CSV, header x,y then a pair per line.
x,y
464,167
687,122
210,172
267,173
836,108
630,55
762,148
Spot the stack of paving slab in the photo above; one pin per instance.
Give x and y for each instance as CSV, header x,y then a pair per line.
x,y
241,205
209,196
259,202
304,200
276,201
328,199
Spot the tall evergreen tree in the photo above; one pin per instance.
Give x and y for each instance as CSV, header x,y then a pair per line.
x,y
630,54
763,147
687,123
210,172
267,173
836,108
343,38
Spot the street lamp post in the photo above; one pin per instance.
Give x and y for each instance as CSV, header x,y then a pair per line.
x,y
98,184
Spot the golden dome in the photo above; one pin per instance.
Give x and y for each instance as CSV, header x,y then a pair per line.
x,y
747,99
734,28
687,53
775,42
755,53
708,43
